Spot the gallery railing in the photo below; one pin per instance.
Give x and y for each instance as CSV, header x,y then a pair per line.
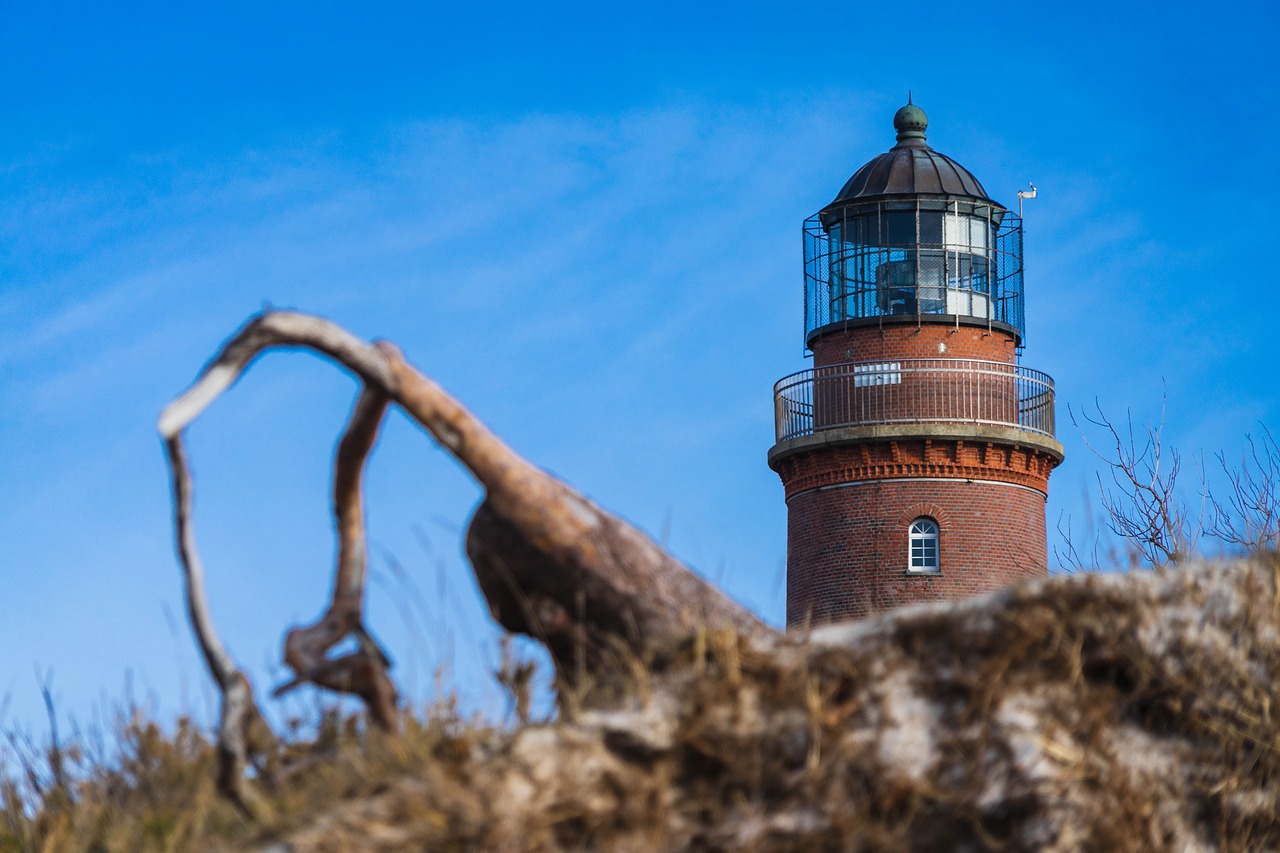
x,y
919,390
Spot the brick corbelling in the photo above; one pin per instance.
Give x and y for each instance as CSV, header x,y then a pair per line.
x,y
921,458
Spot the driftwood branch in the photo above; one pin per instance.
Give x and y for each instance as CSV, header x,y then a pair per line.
x,y
364,671
242,730
550,562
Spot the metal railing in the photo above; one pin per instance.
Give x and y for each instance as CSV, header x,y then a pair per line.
x,y
913,390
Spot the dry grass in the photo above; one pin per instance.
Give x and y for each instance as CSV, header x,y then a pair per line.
x,y
157,791
1119,713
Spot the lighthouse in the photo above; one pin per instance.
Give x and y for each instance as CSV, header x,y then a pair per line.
x,y
915,454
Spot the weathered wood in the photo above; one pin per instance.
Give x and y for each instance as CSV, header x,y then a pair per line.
x,y
242,730
364,671
550,562
618,594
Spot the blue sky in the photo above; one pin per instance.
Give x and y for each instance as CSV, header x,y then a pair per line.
x,y
584,221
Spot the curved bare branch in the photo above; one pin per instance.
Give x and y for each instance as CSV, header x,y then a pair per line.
x,y
242,730
364,671
261,332
594,553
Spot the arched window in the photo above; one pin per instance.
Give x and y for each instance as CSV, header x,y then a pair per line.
x,y
923,547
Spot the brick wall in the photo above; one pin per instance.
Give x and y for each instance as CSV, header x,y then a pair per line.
x,y
847,547
887,343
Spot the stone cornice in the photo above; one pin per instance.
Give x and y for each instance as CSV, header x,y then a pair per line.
x,y
879,455
974,433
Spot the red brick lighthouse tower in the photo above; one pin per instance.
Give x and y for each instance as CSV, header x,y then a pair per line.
x,y
915,455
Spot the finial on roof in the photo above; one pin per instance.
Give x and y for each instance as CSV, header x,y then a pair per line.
x,y
910,122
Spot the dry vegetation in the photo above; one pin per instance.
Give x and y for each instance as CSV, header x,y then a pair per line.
x,y
1091,712
157,790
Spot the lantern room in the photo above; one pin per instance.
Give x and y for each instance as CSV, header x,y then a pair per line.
x,y
912,237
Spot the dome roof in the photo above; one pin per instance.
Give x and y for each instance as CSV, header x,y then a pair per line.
x,y
910,168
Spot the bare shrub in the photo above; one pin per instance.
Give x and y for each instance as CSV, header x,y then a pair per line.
x,y
1147,508
1248,517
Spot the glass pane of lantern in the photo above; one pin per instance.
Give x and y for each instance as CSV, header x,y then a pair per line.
x,y
931,228
932,282
966,233
898,228
957,232
895,287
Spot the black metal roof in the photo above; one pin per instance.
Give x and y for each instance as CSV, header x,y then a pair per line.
x,y
910,168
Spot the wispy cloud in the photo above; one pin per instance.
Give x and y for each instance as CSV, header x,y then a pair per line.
x,y
525,260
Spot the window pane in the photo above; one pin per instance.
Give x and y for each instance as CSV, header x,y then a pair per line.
x,y
922,545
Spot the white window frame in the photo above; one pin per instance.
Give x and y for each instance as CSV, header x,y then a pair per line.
x,y
924,542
